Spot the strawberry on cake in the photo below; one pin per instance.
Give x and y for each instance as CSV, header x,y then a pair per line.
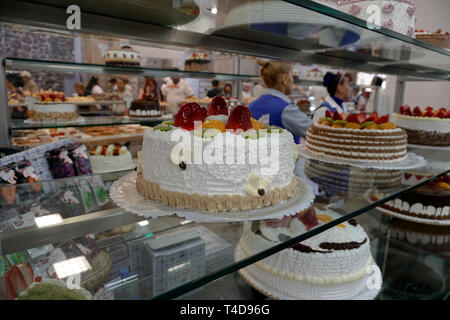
x,y
357,137
52,106
217,166
429,127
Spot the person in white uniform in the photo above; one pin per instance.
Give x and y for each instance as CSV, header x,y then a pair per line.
x,y
175,90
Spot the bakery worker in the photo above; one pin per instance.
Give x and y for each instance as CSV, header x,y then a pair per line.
x,y
29,84
246,93
175,91
339,91
273,106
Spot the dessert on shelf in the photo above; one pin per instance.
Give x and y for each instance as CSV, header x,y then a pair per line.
x,y
396,15
52,106
110,158
227,174
86,99
314,75
430,201
141,108
334,264
429,127
437,38
357,137
341,179
431,238
125,56
198,61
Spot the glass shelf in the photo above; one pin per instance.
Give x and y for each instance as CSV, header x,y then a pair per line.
x,y
21,234
19,124
314,34
17,64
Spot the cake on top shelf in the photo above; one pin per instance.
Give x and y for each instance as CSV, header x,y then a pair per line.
x,y
124,56
357,137
217,166
52,106
396,15
198,61
334,264
438,38
424,127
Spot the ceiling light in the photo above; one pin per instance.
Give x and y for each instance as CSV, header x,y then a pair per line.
x,y
143,223
48,220
70,267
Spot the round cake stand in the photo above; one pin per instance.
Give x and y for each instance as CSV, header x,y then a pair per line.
x,y
412,161
366,294
123,192
436,148
391,213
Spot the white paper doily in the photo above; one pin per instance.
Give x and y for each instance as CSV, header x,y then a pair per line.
x,y
365,294
419,146
412,161
123,192
75,121
434,222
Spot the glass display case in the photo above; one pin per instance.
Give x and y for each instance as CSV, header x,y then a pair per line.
x,y
69,231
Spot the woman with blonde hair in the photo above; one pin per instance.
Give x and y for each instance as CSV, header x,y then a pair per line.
x,y
274,107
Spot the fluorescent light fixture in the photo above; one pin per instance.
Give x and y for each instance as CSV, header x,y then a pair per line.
x,y
185,222
143,223
70,267
48,220
178,266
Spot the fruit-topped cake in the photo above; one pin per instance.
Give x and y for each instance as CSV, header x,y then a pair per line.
x,y
209,160
429,201
198,61
334,264
110,158
52,106
438,38
425,126
357,137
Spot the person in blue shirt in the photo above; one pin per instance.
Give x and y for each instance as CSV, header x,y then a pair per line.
x,y
273,106
339,91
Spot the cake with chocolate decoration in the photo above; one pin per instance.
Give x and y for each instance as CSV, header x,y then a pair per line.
x,y
430,201
141,108
125,56
356,137
333,264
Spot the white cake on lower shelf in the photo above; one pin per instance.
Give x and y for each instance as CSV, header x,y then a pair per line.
x,y
334,264
110,158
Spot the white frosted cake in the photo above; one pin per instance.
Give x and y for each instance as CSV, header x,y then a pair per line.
x,y
334,264
125,56
396,15
54,112
233,179
110,158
